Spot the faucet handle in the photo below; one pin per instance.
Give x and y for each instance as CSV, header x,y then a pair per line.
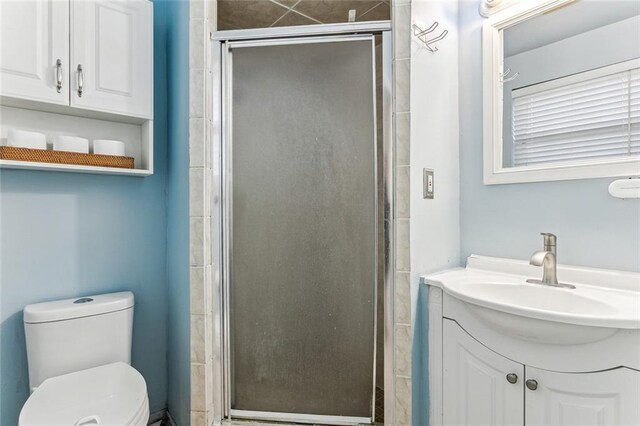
x,y
549,242
549,238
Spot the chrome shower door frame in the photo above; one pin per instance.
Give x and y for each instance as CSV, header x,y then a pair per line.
x,y
223,42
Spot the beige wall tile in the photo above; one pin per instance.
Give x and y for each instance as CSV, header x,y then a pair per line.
x,y
208,141
196,241
212,12
196,9
402,306
198,418
403,402
209,385
198,332
402,245
208,94
208,187
196,93
196,142
198,380
402,70
402,192
403,350
402,31
196,43
196,192
206,241
208,289
208,337
197,290
403,146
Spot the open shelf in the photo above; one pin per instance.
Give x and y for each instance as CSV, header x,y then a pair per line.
x,y
29,165
136,134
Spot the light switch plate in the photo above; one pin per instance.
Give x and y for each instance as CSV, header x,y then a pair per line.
x,y
427,184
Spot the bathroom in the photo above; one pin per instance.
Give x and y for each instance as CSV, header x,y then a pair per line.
x,y
409,287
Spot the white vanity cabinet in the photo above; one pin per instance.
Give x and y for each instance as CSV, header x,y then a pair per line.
x,y
589,399
504,351
34,50
111,56
476,390
482,387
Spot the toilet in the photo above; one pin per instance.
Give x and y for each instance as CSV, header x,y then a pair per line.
x,y
79,356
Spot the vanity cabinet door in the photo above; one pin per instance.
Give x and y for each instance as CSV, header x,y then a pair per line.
x,y
112,56
606,398
34,50
477,382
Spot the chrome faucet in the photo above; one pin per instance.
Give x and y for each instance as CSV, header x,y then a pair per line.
x,y
547,259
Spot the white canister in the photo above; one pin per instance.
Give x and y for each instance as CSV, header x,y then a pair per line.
x,y
26,139
71,144
108,147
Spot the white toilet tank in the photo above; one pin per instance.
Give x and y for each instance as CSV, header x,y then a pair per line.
x,y
70,335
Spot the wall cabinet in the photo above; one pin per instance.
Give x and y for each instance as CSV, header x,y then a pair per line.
x,y
482,387
111,56
82,68
102,48
34,50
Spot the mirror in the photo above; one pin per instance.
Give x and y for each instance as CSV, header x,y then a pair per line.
x,y
562,91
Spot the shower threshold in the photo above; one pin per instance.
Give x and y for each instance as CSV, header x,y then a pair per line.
x,y
299,418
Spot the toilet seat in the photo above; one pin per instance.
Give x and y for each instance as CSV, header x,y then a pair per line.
x,y
109,395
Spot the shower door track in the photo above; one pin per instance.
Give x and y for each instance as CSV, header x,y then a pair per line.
x,y
299,418
221,211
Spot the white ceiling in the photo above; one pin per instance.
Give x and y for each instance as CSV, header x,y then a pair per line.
x,y
579,17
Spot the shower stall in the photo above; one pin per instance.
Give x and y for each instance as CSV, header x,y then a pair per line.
x,y
302,196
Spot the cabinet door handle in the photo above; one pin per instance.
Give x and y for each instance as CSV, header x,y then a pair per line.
x,y
80,80
59,75
532,384
512,378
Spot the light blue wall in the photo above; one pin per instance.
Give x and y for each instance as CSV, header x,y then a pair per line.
x,y
65,234
178,210
593,228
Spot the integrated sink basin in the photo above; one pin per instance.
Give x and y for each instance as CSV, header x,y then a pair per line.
x,y
602,302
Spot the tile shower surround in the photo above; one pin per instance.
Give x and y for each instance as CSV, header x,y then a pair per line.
x,y
203,19
242,14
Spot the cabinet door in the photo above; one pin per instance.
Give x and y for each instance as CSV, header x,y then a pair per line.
x,y
475,385
606,398
111,54
34,50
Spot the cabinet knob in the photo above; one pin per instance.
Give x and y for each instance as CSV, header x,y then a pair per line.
x,y
532,384
512,378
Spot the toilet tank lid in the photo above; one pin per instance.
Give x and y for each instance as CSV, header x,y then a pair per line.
x,y
78,307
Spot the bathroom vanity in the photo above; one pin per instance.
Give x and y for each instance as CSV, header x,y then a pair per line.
x,y
506,352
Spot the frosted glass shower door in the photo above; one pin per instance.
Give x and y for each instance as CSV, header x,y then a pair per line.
x,y
301,176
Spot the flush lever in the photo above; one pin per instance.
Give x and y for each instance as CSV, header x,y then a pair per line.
x,y
89,420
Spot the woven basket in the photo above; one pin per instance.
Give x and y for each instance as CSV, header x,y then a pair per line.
x,y
64,157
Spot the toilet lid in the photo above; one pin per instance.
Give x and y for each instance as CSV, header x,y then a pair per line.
x,y
112,394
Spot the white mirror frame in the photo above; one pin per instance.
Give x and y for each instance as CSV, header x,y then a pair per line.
x,y
492,111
